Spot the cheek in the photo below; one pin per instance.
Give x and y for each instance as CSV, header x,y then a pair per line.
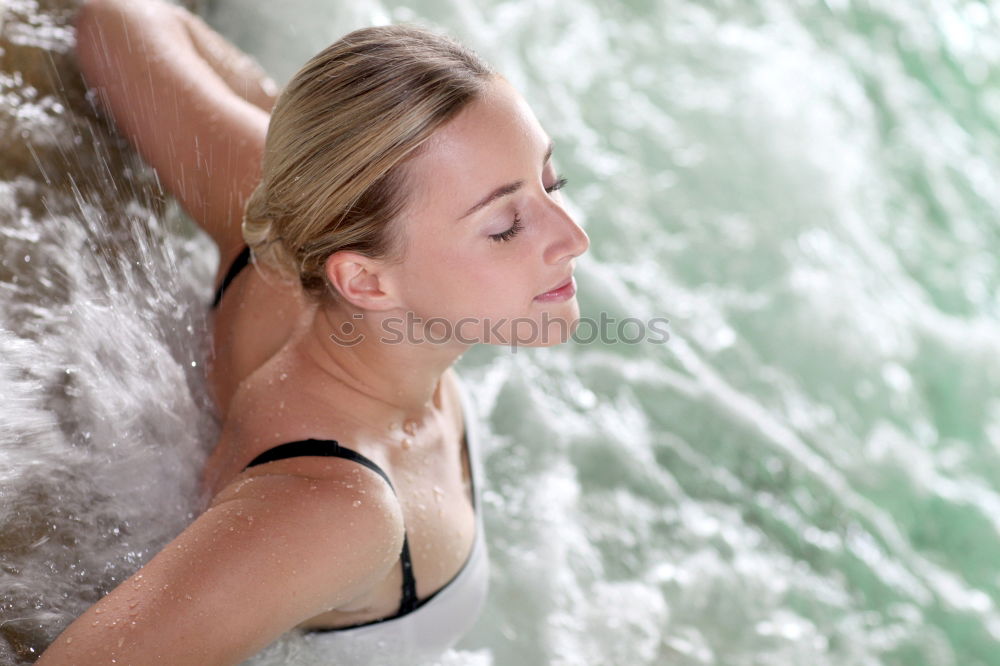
x,y
467,277
440,280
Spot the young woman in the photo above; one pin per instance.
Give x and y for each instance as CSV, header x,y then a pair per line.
x,y
397,205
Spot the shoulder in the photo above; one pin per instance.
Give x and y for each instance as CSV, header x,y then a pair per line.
x,y
336,526
323,495
319,507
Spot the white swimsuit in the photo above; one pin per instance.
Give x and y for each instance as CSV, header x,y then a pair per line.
x,y
422,629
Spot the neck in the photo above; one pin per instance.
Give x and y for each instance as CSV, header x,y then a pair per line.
x,y
372,355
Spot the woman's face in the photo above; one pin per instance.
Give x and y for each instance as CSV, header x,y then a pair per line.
x,y
485,231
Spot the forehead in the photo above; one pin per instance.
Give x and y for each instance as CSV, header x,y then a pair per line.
x,y
495,140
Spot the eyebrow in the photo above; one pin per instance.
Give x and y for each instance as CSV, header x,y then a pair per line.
x,y
505,190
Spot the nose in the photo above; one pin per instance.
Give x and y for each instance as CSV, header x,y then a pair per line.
x,y
568,239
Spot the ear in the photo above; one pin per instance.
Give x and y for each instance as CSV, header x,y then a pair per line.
x,y
360,280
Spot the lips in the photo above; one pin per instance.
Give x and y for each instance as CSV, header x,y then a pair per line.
x,y
560,292
558,286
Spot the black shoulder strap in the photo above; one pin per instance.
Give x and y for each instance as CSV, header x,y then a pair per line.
x,y
330,447
239,263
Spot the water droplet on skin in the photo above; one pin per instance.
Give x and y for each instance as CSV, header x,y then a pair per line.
x,y
409,427
438,493
120,641
357,503
406,443
188,596
283,376
68,641
98,611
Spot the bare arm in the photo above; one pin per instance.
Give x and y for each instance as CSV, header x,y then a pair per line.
x,y
271,552
239,71
191,104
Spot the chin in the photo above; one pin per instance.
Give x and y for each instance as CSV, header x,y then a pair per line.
x,y
561,330
553,327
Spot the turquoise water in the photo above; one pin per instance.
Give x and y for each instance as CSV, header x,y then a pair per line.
x,y
806,471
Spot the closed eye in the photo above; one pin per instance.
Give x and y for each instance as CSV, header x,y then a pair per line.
x,y
517,226
509,233
558,185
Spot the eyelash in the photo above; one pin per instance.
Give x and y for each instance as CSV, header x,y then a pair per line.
x,y
504,236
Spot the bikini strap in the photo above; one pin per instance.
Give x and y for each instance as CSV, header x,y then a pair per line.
x,y
239,263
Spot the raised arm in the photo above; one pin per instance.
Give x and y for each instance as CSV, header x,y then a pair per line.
x,y
194,106
272,552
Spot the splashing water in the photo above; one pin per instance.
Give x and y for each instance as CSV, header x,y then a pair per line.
x,y
804,470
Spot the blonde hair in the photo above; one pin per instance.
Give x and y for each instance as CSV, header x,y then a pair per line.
x,y
341,132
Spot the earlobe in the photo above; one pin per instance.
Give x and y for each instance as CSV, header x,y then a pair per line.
x,y
358,280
